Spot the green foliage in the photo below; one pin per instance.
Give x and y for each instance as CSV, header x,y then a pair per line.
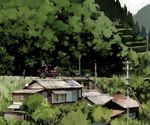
x,y
46,114
78,113
137,85
117,13
112,85
25,123
102,115
2,121
141,88
14,122
5,59
141,63
134,57
17,122
75,118
9,84
31,103
145,112
130,122
67,30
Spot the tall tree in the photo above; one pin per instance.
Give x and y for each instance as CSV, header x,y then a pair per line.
x,y
137,28
143,31
75,118
51,30
113,9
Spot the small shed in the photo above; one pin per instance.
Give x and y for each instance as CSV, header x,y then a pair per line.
x,y
120,103
97,98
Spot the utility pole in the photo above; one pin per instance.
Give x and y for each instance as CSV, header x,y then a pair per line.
x,y
95,67
127,70
80,66
127,85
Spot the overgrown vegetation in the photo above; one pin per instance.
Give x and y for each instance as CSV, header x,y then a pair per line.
x,y
59,32
138,86
79,113
8,85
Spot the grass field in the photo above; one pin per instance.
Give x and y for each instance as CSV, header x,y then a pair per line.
x,y
7,85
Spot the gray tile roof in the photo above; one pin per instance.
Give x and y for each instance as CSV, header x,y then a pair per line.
x,y
27,91
58,83
96,97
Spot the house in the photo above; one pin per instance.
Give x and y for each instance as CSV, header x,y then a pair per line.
x,y
118,103
55,91
95,97
62,91
121,104
92,93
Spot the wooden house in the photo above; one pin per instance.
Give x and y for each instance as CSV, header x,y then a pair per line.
x,y
118,103
55,91
121,103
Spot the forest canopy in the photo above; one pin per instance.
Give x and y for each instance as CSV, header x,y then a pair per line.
x,y
58,32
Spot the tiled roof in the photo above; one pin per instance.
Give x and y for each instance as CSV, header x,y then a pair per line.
x,y
96,97
58,84
15,106
116,112
124,101
27,91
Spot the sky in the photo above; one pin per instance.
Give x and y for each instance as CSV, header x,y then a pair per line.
x,y
134,5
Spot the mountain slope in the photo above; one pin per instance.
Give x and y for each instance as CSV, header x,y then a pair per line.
x,y
113,10
142,19
134,5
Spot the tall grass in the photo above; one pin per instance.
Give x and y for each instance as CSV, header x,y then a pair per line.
x,y
7,85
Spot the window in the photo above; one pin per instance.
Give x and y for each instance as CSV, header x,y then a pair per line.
x,y
21,98
72,95
58,96
18,98
132,114
65,96
80,93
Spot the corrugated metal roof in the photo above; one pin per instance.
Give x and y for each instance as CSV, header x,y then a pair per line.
x,y
116,112
96,97
59,92
90,93
27,91
14,106
124,101
58,84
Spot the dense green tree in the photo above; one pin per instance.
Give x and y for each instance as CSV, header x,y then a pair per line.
x,y
113,9
137,28
46,114
145,112
143,31
67,31
102,115
112,85
2,121
31,103
130,122
75,118
138,86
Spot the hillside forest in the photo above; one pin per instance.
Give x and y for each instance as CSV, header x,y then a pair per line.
x,y
68,31
72,35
